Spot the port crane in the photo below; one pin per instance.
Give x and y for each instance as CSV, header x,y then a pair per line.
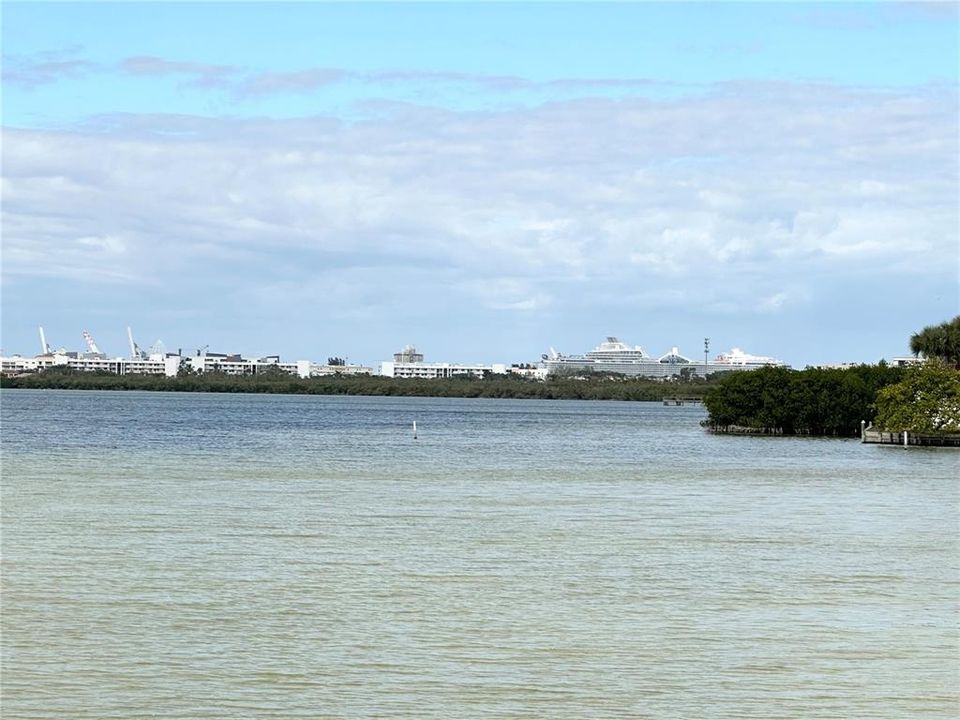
x,y
44,348
88,338
135,352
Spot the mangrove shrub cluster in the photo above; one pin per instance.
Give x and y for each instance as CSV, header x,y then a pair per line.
x,y
798,402
492,386
927,400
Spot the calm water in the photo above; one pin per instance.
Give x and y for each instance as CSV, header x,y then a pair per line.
x,y
213,556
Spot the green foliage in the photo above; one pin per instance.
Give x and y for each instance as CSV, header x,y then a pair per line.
x,y
939,341
927,400
798,402
491,386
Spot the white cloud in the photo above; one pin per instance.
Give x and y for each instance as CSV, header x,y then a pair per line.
x,y
506,293
43,68
106,243
201,75
773,303
739,194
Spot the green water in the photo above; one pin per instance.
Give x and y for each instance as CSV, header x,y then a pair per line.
x,y
222,556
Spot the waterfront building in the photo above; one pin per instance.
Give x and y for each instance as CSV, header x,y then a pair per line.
x,y
526,370
86,362
320,370
237,365
408,363
908,361
409,354
166,364
17,365
169,364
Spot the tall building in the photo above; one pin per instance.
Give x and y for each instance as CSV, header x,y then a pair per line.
x,y
409,354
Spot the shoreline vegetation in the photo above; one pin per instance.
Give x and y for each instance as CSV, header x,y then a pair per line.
x,y
922,398
775,401
598,386
780,401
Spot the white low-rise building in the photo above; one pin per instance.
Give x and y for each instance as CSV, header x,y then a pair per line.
x,y
432,371
908,361
408,363
168,365
311,369
16,364
237,365
531,372
153,365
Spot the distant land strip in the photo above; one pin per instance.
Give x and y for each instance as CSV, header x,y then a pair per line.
x,y
769,401
602,387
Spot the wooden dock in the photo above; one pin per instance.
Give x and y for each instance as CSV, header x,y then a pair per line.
x,y
909,439
678,401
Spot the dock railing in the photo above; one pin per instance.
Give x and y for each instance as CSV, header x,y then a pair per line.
x,y
677,401
905,438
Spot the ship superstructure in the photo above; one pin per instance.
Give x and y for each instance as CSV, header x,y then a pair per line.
x,y
614,356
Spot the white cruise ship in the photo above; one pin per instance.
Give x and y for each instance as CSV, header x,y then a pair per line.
x,y
614,356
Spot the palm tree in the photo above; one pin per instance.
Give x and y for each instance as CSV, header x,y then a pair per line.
x,y
939,341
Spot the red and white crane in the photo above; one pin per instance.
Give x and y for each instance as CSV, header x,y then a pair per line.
x,y
90,343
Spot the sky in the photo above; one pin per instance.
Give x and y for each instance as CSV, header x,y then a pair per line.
x,y
485,181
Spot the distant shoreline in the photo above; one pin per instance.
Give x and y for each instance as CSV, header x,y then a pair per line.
x,y
599,388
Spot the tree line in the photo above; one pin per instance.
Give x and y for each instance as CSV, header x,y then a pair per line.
x,y
583,387
833,402
814,401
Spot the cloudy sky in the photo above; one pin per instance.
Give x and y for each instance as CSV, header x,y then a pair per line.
x,y
484,181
